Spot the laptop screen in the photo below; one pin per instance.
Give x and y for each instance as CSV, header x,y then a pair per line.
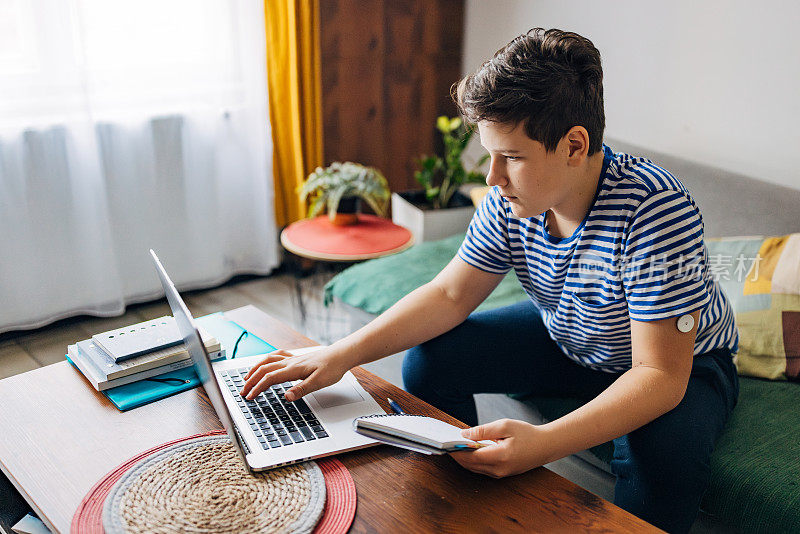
x,y
200,358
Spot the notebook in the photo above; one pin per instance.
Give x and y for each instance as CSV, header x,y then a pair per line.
x,y
112,370
415,432
140,338
100,382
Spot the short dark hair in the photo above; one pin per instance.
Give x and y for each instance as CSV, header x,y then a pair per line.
x,y
551,80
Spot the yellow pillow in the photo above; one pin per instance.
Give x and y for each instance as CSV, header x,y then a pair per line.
x,y
761,278
477,194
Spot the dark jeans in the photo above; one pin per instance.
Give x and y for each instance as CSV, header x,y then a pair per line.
x,y
662,468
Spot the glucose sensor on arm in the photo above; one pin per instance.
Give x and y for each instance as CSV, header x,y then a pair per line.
x,y
685,323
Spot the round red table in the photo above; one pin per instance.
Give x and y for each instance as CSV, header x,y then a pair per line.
x,y
319,240
371,237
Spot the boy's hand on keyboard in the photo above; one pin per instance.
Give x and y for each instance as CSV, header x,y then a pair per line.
x,y
316,369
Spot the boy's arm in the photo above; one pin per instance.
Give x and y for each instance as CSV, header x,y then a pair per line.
x,y
428,311
423,314
656,383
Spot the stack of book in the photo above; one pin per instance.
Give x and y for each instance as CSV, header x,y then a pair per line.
x,y
137,352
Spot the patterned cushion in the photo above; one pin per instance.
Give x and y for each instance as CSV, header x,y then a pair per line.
x,y
761,277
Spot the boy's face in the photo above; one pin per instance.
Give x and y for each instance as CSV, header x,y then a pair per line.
x,y
531,179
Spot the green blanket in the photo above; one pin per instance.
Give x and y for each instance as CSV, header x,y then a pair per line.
x,y
374,286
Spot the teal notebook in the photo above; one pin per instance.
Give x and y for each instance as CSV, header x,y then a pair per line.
x,y
143,392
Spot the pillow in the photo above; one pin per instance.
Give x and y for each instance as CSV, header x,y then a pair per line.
x,y
761,278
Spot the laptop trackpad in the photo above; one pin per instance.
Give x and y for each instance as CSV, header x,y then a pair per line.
x,y
337,395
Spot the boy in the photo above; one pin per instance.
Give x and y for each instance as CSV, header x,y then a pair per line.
x,y
622,312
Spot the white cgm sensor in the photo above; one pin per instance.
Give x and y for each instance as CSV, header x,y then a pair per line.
x,y
685,323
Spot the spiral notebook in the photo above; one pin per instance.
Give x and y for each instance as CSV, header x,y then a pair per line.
x,y
415,432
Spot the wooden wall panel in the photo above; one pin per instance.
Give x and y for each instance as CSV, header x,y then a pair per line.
x,y
352,50
387,68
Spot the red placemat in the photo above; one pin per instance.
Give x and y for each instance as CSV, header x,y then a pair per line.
x,y
340,503
372,236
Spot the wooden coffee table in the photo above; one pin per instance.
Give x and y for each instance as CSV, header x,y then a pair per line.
x,y
58,437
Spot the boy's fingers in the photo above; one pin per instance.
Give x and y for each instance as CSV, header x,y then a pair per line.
x,y
271,357
492,431
302,389
480,460
484,455
259,373
270,379
285,374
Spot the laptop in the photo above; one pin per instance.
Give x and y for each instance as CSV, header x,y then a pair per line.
x,y
269,431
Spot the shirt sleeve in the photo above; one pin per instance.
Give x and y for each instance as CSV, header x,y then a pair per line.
x,y
486,245
664,263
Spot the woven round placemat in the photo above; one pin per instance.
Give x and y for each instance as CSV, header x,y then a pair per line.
x,y
233,507
200,484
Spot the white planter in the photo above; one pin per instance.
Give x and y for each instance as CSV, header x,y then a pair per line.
x,y
430,225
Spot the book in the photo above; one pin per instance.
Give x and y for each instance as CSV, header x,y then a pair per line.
x,y
416,432
141,392
111,370
30,525
140,338
86,366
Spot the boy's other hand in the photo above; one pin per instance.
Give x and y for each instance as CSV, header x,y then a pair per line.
x,y
519,447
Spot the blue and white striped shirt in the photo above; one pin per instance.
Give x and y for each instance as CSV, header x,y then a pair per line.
x,y
638,254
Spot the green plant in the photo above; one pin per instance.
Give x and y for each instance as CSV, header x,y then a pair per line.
x,y
442,176
326,188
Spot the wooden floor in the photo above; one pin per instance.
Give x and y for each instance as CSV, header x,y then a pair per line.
x,y
276,295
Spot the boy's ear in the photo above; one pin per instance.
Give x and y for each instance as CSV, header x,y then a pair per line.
x,y
577,140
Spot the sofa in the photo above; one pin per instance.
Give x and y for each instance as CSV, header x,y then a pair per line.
x,y
755,483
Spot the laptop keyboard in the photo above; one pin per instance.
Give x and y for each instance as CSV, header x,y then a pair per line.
x,y
275,421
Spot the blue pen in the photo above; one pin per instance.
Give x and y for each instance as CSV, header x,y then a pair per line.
x,y
394,406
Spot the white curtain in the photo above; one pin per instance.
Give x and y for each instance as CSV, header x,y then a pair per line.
x,y
124,126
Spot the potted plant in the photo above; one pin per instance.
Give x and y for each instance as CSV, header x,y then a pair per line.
x,y
440,210
340,187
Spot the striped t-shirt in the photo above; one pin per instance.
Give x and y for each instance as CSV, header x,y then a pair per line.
x,y
638,254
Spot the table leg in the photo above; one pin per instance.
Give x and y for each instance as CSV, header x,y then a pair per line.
x,y
325,324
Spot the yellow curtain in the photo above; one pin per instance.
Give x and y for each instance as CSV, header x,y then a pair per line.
x,y
295,101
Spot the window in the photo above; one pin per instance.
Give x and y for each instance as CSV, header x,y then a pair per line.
x,y
60,60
